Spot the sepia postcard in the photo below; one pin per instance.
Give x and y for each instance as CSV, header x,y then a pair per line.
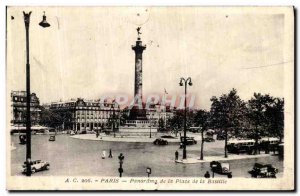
x,y
150,98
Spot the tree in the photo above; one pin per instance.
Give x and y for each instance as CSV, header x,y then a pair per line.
x,y
275,117
123,117
113,122
50,118
227,114
161,125
258,107
176,123
201,120
56,118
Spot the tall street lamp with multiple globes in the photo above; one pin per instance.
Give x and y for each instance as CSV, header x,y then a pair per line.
x,y
43,24
185,82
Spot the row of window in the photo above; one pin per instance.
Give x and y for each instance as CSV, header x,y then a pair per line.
x,y
92,120
66,105
94,113
138,121
23,104
102,117
96,108
90,124
23,99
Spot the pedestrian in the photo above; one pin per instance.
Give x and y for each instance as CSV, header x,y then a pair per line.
x,y
207,175
267,148
176,155
181,145
103,154
110,154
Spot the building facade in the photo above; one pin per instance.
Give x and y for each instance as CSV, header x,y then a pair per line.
x,y
18,100
158,112
154,113
87,115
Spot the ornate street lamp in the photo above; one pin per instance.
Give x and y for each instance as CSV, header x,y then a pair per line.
x,y
121,158
150,122
113,117
44,24
185,82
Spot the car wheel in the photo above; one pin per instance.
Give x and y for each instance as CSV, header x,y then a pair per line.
x,y
33,170
47,167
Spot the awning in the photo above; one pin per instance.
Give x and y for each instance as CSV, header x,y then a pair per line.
x,y
35,127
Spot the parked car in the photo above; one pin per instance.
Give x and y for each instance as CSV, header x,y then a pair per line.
x,y
240,146
269,144
189,140
210,132
194,129
220,168
263,171
160,142
52,138
220,136
36,166
209,139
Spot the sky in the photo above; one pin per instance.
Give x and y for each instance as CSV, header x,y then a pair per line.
x,y
86,52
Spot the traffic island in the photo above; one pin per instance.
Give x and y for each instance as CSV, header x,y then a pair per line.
x,y
111,138
194,160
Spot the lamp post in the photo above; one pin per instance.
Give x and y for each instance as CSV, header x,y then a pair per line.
x,y
151,116
185,82
44,24
114,118
121,158
150,124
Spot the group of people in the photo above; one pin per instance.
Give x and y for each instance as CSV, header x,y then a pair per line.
x,y
104,154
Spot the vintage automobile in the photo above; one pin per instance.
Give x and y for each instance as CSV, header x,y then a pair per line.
x,y
52,138
160,142
209,139
221,135
189,140
37,165
240,146
72,133
269,144
194,129
220,168
263,171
